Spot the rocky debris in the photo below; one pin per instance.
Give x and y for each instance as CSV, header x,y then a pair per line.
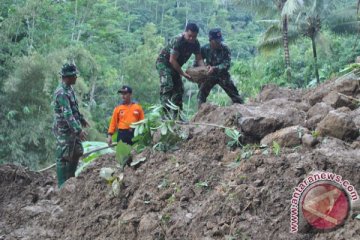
x,y
336,100
347,84
255,120
355,115
320,108
316,113
286,137
339,124
203,190
272,91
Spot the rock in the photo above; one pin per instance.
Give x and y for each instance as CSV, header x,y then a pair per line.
x,y
356,117
338,124
259,183
198,74
312,122
254,120
320,108
69,186
258,121
148,223
308,140
335,100
355,144
347,84
272,91
286,137
316,96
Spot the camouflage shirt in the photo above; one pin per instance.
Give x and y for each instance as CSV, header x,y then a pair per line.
x,y
67,118
219,58
180,47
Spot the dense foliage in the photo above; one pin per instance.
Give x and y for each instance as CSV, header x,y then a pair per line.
x,y
115,42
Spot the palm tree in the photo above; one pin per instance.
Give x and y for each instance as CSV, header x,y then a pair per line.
x,y
311,15
318,12
286,8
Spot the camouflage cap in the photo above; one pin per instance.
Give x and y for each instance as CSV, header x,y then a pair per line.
x,y
215,34
68,70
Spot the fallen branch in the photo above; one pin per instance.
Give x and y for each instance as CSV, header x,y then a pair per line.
x,y
349,97
201,124
83,156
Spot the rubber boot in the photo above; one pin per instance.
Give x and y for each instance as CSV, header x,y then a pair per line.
x,y
72,167
61,172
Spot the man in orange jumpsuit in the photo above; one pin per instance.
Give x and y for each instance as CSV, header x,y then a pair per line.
x,y
123,116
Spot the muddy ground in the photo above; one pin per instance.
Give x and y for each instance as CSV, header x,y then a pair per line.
x,y
204,190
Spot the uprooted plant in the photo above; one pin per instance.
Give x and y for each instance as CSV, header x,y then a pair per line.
x,y
162,129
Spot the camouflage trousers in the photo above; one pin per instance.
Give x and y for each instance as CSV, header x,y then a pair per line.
x,y
225,83
171,85
68,152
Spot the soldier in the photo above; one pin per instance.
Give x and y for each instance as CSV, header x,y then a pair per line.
x,y
175,54
217,57
123,116
68,124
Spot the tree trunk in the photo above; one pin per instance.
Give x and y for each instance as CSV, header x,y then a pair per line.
x,y
286,48
92,93
315,60
75,21
162,18
186,14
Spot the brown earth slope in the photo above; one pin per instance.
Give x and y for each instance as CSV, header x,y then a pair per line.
x,y
200,191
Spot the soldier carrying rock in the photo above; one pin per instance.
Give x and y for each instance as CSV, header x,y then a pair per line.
x,y
217,57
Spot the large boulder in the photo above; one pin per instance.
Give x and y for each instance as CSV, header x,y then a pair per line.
x,y
286,137
347,84
316,113
272,91
320,108
337,100
356,117
258,121
255,120
339,124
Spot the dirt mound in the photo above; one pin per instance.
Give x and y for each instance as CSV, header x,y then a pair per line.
x,y
204,190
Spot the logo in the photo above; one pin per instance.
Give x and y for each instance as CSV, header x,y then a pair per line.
x,y
323,201
325,206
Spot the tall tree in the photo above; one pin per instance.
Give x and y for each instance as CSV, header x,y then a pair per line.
x,y
286,8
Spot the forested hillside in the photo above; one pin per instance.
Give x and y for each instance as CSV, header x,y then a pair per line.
x,y
115,42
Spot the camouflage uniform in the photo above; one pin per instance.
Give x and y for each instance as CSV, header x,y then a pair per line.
x,y
220,59
171,85
66,128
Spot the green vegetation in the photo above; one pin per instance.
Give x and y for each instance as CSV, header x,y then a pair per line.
x,y
114,42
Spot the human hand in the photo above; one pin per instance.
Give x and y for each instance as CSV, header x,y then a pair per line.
x,y
85,123
109,140
83,135
187,76
211,69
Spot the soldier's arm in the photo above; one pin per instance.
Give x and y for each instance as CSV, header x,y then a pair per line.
x,y
174,54
225,64
174,63
198,57
64,105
